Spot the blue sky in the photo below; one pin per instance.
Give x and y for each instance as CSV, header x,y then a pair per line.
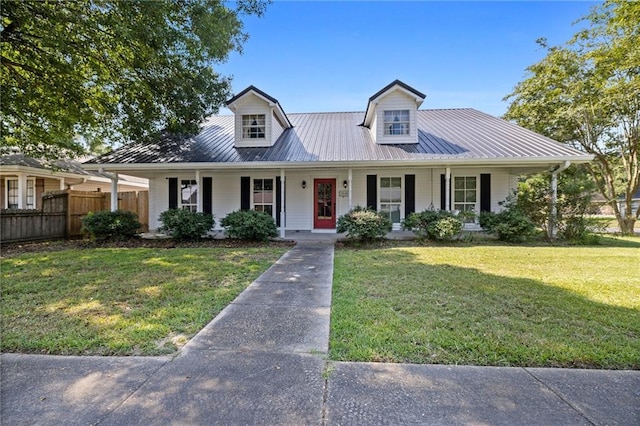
x,y
332,56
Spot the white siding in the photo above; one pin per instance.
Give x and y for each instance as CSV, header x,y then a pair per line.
x,y
276,129
252,104
396,100
299,201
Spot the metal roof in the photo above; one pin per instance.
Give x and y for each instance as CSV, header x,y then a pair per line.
x,y
443,135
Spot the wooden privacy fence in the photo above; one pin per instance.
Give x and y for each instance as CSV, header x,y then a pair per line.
x,y
62,212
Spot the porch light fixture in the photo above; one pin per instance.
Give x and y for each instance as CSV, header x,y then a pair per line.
x,y
304,184
345,184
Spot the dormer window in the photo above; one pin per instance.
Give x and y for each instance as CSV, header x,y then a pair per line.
x,y
253,126
396,122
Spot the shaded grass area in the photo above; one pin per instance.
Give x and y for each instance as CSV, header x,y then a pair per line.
x,y
120,301
489,305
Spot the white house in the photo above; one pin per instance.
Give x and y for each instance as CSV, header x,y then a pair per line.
x,y
307,169
23,180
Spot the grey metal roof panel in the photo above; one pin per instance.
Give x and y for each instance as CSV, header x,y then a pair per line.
x,y
328,137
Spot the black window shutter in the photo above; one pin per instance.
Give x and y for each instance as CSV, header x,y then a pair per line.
x,y
245,193
485,192
278,201
409,194
173,193
207,195
443,191
372,192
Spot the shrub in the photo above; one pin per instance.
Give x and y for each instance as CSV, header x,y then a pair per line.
x,y
106,225
575,191
185,225
364,224
510,225
249,225
432,224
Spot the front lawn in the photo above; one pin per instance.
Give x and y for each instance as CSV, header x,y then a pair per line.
x,y
496,304
120,301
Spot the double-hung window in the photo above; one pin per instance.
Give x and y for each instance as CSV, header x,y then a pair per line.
x,y
391,197
396,122
465,193
189,195
263,195
12,194
253,126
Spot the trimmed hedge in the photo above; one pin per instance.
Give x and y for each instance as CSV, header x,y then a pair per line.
x,y
249,225
107,225
434,224
185,225
364,224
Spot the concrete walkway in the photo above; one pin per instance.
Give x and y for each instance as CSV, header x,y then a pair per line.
x,y
263,361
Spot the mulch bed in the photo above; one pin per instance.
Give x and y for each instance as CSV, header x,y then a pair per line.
x,y
13,249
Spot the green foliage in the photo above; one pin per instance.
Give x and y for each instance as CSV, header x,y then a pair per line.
x,y
364,224
185,225
575,189
433,224
104,71
107,225
509,225
249,225
585,93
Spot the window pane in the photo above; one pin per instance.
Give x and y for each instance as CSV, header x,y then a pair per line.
x,y
12,194
471,196
189,193
458,197
471,183
459,183
253,126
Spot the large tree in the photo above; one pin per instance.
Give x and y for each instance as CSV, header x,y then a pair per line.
x,y
587,93
79,73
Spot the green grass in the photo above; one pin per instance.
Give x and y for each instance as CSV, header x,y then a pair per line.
x,y
489,305
120,301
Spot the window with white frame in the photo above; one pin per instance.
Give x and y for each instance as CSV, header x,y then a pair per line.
x,y
12,194
189,195
263,195
391,197
253,126
465,193
396,122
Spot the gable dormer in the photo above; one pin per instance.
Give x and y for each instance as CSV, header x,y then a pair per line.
x,y
392,114
259,118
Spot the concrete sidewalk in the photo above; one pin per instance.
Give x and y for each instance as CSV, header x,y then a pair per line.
x,y
263,361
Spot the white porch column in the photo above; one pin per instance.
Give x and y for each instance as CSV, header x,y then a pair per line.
x,y
62,186
22,191
114,192
447,189
199,193
282,211
350,186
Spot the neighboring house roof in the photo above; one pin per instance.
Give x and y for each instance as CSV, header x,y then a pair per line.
x,y
64,168
445,136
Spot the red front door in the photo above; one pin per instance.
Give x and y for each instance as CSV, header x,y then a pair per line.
x,y
324,202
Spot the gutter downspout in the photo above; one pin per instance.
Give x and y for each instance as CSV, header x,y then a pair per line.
x,y
552,231
283,214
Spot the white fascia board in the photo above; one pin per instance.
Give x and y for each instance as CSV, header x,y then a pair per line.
x,y
434,162
44,173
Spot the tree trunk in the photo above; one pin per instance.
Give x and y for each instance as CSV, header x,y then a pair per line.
x,y
626,225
